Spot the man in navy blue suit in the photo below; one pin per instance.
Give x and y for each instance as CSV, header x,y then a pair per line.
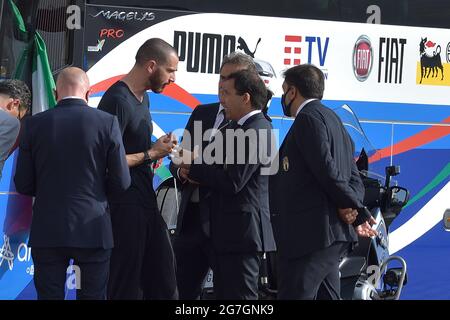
x,y
192,244
239,220
315,194
70,158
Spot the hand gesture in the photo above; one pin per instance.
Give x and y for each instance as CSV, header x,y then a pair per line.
x,y
162,147
347,215
365,230
183,158
184,175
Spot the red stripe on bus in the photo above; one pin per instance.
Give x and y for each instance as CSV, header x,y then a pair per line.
x,y
177,93
172,91
424,137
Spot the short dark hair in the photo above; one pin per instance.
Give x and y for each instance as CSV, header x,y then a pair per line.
x,y
154,49
246,81
17,89
308,79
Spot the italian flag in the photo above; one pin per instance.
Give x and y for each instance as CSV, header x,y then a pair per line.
x,y
34,59
42,78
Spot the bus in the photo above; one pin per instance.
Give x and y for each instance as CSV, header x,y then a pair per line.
x,y
387,60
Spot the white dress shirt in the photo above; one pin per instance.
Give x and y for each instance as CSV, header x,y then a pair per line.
x,y
248,115
303,105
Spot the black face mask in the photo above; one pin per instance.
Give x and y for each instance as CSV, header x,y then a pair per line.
x,y
286,107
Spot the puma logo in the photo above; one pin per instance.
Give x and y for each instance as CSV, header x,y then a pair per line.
x,y
242,45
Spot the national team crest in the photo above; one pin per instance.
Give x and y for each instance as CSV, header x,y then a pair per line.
x,y
286,163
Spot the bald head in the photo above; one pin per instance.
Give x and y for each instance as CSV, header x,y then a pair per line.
x,y
72,82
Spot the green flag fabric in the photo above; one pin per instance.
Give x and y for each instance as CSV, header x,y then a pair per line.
x,y
34,59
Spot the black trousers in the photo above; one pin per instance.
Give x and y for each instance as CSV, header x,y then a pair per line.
x,y
142,261
314,276
193,254
91,267
236,276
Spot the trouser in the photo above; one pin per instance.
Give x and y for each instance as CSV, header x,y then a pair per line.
x,y
193,254
142,261
312,276
236,276
90,266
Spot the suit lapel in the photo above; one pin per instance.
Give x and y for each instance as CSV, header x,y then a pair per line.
x,y
210,117
286,137
307,106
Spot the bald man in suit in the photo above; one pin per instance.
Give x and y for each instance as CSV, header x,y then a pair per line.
x,y
71,157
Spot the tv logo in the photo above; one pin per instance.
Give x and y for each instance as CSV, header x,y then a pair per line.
x,y
317,48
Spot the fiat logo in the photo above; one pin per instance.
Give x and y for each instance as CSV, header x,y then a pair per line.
x,y
362,58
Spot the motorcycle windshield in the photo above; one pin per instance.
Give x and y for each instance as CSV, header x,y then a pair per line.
x,y
353,127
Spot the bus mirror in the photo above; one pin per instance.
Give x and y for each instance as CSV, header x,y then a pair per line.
x,y
447,220
398,198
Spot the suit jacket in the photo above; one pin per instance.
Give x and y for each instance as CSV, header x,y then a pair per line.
x,y
70,157
316,176
206,115
240,219
9,130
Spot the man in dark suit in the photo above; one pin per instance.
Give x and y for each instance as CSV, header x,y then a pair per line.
x,y
192,243
315,193
70,158
239,208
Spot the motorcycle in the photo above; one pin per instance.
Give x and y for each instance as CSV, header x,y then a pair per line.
x,y
364,273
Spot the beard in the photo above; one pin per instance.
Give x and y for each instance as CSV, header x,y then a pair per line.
x,y
156,83
158,89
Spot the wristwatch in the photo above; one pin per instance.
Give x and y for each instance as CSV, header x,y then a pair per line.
x,y
147,157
